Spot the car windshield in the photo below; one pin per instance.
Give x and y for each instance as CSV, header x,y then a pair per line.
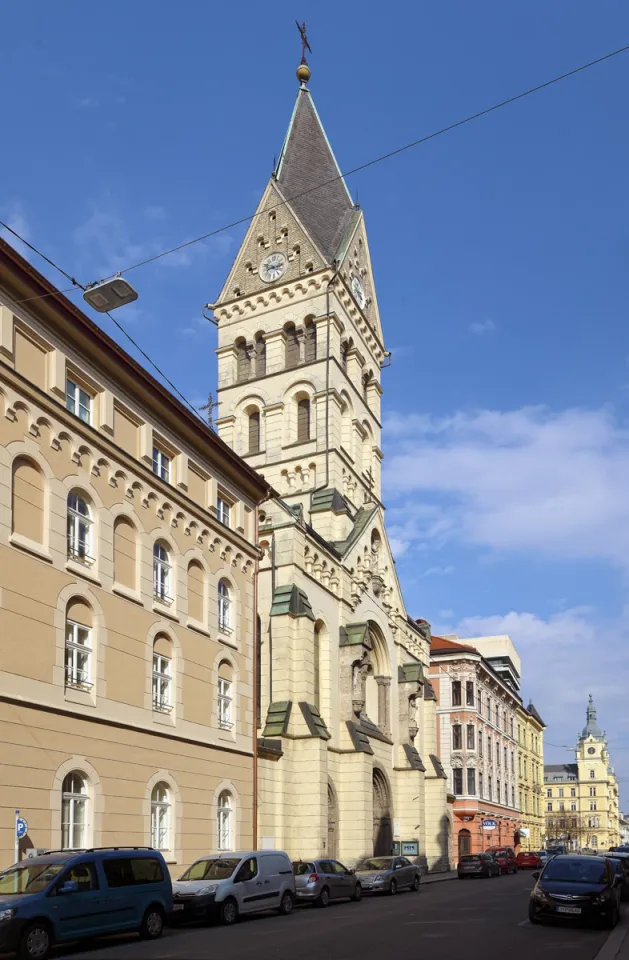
x,y
575,870
299,869
210,870
375,863
29,878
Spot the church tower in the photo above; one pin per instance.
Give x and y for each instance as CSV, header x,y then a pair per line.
x,y
300,342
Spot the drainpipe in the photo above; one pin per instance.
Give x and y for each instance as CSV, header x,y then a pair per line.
x,y
271,619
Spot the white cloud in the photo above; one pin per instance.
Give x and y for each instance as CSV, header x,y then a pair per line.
x,y
87,103
14,216
155,212
438,572
524,480
480,327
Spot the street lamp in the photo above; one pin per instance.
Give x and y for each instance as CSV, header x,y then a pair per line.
x,y
109,294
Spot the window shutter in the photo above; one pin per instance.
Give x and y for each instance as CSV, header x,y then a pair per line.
x,y
254,432
303,420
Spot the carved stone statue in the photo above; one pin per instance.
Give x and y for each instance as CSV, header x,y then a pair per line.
x,y
360,670
413,716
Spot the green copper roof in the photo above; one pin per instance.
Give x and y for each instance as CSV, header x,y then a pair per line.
x,y
314,721
409,672
277,719
329,499
429,693
353,633
289,599
361,520
414,760
438,767
359,739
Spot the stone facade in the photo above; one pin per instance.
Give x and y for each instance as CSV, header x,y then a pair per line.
x,y
347,749
477,701
581,798
126,608
531,777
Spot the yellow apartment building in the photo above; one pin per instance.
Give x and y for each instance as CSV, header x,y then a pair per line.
x,y
531,777
127,577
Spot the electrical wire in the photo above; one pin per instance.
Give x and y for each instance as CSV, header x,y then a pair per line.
x,y
42,255
384,156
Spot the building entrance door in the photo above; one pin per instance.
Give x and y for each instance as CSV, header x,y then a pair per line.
x,y
465,843
382,816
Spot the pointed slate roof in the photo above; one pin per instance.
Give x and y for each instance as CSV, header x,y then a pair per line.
x,y
591,728
307,161
531,709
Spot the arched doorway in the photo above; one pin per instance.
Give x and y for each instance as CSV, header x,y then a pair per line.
x,y
332,823
465,843
382,825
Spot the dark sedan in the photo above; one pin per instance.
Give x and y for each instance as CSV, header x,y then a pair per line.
x,y
621,866
477,865
573,888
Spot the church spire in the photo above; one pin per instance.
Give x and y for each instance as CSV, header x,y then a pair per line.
x,y
591,728
309,177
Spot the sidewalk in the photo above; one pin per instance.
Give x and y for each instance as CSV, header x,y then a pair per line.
x,y
616,947
449,875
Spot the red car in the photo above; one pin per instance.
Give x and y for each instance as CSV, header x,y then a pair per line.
x,y
528,858
505,858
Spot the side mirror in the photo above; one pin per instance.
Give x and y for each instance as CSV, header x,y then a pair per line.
x,y
535,874
70,886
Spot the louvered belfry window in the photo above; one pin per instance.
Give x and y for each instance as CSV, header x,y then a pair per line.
x,y
303,419
310,343
254,432
292,348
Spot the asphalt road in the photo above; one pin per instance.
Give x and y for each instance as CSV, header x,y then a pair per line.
x,y
470,920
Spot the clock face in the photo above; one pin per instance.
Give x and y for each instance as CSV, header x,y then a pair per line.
x,y
273,267
359,291
591,750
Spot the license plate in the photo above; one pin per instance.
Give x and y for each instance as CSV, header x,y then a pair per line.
x,y
178,906
568,909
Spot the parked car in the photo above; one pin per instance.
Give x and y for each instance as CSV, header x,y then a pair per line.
x,y
576,888
528,858
477,865
73,894
387,874
506,858
544,856
621,867
623,848
319,881
226,885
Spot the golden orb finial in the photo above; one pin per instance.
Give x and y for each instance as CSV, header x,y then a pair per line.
x,y
303,73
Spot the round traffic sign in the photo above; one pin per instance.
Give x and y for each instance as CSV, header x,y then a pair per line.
x,y
21,827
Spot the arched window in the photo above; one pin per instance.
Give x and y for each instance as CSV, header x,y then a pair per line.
x,y
243,360
303,419
79,530
78,646
225,698
291,346
224,607
253,423
161,573
125,553
27,506
344,352
74,807
162,681
160,817
366,381
225,824
260,355
310,342
316,656
259,671
196,591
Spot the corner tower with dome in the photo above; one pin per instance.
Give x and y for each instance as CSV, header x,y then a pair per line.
x,y
582,804
346,719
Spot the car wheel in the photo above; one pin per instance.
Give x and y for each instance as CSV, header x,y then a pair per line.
x,y
415,884
286,904
228,912
324,898
533,918
392,888
35,942
358,893
152,923
612,920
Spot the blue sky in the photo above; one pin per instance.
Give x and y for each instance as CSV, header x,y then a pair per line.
x,y
500,254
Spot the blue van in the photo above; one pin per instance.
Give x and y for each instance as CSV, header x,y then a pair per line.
x,y
71,894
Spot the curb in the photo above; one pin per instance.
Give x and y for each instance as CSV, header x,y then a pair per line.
x,y
615,941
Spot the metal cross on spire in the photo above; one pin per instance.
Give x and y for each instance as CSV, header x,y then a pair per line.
x,y
304,40
209,406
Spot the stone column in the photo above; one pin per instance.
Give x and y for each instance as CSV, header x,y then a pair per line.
x,y
384,709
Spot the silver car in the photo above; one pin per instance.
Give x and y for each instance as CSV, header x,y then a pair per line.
x,y
319,881
387,874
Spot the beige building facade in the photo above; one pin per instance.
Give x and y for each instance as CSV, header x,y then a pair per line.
x,y
531,777
581,798
127,572
348,759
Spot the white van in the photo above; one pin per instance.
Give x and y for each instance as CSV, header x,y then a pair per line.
x,y
223,886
